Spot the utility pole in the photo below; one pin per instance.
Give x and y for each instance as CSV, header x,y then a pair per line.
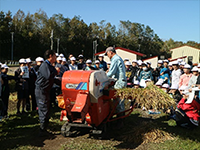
x,y
12,35
51,37
94,49
58,45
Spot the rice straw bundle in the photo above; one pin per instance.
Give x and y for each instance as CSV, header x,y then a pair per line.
x,y
149,97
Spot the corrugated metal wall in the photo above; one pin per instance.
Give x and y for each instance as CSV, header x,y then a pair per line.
x,y
186,51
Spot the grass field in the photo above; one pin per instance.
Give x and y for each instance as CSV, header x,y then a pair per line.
x,y
141,131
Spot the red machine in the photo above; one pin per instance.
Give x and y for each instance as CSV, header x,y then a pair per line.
x,y
83,100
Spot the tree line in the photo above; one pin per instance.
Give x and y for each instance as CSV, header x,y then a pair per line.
x,y
32,36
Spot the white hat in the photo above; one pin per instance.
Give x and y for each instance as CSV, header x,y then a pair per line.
x,y
186,92
64,59
59,58
170,64
180,60
97,62
80,56
28,60
148,62
174,87
198,65
144,63
183,87
134,61
126,59
167,61
72,58
148,80
88,61
39,59
165,86
61,55
139,63
195,69
160,61
57,54
4,66
101,55
187,66
183,63
158,83
128,63
175,63
109,62
136,82
22,61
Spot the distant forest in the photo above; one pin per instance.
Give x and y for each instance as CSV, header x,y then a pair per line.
x,y
32,36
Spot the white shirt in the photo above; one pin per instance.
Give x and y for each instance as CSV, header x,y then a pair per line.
x,y
73,67
192,81
175,77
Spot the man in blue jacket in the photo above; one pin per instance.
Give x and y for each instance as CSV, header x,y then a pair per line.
x,y
118,70
45,80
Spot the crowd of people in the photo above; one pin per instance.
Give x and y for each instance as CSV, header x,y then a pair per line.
x,y
176,78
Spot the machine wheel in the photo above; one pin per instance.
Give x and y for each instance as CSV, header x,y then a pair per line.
x,y
65,130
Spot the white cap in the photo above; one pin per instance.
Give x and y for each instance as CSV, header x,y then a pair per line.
x,y
109,62
174,87
59,58
4,66
183,87
148,80
28,60
39,59
158,83
57,54
170,64
101,55
195,69
97,62
187,66
160,61
136,82
72,58
64,59
61,55
88,61
139,63
144,63
126,59
148,62
22,61
167,61
175,63
180,60
198,65
134,61
128,63
183,63
165,86
80,56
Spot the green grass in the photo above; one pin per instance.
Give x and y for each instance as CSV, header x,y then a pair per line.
x,y
21,133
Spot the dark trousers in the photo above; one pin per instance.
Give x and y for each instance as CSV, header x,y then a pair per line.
x,y
5,105
43,103
182,119
34,105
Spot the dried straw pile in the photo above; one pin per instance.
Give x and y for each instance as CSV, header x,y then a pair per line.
x,y
149,97
146,133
